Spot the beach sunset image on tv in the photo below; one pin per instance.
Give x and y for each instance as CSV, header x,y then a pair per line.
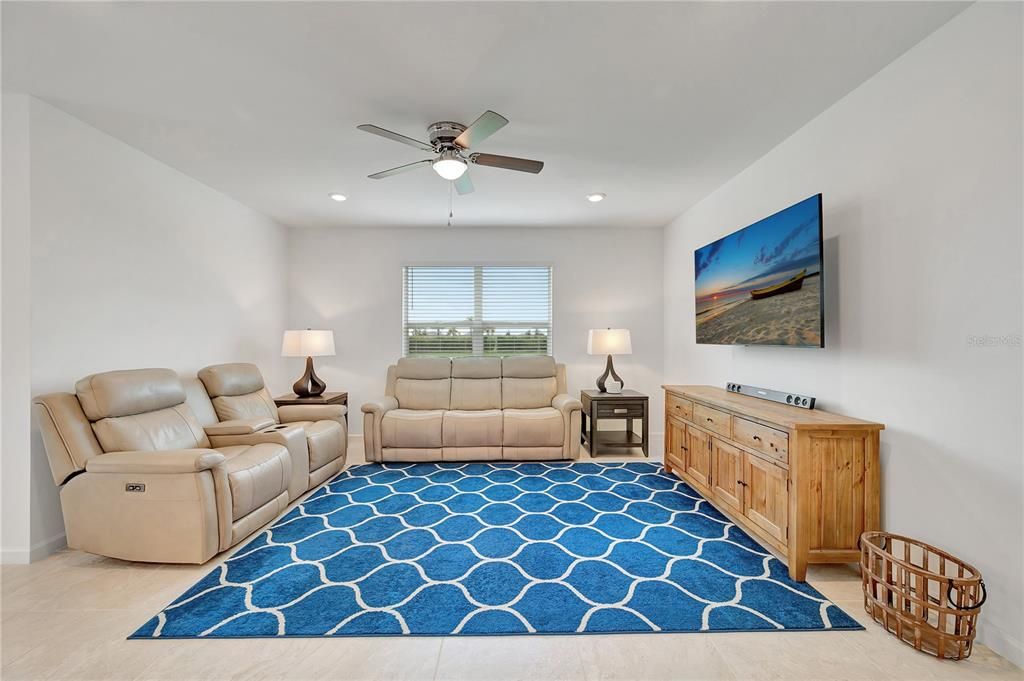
x,y
762,284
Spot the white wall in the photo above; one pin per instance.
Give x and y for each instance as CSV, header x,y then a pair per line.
x,y
133,264
15,373
351,281
921,174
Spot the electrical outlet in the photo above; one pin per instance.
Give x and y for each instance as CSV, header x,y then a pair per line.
x,y
134,487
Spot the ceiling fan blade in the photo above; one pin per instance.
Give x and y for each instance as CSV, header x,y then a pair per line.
x,y
464,185
377,130
482,128
523,165
400,169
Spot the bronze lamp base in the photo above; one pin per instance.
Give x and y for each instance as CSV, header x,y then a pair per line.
x,y
310,385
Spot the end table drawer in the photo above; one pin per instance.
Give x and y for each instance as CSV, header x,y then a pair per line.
x,y
624,410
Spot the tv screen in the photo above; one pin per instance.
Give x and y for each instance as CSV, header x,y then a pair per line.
x,y
762,284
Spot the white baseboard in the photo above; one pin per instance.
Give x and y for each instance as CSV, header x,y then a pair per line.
x,y
355,448
38,551
1003,643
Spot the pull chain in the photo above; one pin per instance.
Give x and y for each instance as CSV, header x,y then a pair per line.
x,y
451,203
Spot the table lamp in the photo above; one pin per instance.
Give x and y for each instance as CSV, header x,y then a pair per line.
x,y
308,343
609,342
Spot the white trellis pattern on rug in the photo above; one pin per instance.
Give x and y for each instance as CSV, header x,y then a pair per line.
x,y
476,548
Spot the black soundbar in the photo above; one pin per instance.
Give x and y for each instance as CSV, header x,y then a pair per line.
x,y
792,399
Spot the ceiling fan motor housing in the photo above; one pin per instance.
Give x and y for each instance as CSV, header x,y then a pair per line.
x,y
443,133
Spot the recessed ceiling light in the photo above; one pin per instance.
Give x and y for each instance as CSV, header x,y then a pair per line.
x,y
338,197
594,198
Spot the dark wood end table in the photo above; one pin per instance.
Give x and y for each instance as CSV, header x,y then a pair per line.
x,y
628,405
326,398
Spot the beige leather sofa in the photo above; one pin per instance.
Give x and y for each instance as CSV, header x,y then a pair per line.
x,y
315,434
473,408
141,479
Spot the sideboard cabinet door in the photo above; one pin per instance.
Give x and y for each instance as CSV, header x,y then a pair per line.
x,y
766,496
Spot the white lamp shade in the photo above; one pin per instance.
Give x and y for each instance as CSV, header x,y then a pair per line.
x,y
308,343
609,342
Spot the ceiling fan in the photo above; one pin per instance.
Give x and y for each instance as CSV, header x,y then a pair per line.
x,y
450,141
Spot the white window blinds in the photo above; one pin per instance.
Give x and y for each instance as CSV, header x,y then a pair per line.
x,y
476,310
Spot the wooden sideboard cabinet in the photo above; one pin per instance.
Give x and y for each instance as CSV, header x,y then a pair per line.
x,y
805,483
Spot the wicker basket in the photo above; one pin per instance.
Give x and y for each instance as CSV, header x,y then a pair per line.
x,y
926,597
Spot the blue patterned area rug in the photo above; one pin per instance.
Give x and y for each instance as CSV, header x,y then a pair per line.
x,y
475,548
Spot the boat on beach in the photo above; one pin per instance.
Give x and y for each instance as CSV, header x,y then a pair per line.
x,y
792,284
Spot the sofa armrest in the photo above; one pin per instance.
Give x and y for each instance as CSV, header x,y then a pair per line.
x,y
380,405
312,412
239,426
572,413
566,403
172,461
290,436
373,414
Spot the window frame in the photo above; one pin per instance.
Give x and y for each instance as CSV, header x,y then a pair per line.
x,y
478,337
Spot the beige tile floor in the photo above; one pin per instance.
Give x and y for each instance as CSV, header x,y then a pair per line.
x,y
67,617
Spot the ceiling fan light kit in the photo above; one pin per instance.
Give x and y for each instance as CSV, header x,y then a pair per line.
x,y
448,141
450,166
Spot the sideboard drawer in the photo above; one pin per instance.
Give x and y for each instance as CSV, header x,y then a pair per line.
x,y
712,419
624,410
774,443
678,407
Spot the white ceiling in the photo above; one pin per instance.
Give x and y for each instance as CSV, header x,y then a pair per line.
x,y
655,104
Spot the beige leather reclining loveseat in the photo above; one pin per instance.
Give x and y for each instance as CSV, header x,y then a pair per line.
x,y
147,472
315,434
473,408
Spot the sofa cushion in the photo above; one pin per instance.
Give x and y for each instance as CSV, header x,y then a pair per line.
x,y
476,367
423,368
422,393
541,427
527,393
231,379
199,401
539,366
252,405
410,428
127,392
476,383
324,441
472,428
256,475
153,431
476,393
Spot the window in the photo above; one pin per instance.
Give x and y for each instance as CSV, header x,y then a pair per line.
x,y
476,310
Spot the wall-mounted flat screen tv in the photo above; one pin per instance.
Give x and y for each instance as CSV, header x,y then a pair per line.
x,y
762,284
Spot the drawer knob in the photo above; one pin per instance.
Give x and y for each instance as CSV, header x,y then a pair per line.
x,y
710,420
757,437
